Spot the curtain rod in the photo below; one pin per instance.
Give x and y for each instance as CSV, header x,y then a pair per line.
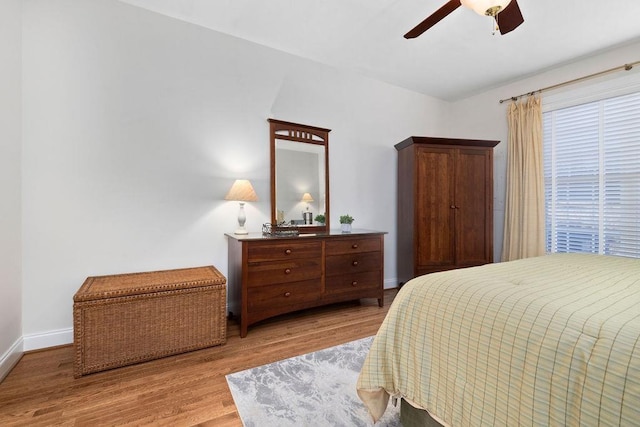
x,y
625,67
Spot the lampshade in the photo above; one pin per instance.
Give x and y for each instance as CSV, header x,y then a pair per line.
x,y
242,191
486,7
306,197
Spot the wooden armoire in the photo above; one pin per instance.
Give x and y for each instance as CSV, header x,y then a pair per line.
x,y
445,204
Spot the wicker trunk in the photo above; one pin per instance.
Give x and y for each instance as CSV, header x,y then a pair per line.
x,y
129,318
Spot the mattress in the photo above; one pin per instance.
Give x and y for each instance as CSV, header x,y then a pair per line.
x,y
552,340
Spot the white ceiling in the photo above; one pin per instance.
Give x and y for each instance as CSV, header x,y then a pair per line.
x,y
456,58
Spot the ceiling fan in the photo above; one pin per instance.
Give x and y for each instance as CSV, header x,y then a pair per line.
x,y
506,13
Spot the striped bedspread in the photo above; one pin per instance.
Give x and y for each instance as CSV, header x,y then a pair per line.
x,y
548,341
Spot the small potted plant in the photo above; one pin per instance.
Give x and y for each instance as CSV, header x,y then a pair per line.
x,y
320,219
345,223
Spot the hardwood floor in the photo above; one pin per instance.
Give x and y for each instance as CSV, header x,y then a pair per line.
x,y
182,390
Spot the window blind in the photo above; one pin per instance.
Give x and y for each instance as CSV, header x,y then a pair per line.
x,y
592,177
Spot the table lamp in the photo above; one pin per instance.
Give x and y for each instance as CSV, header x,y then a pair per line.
x,y
241,191
306,197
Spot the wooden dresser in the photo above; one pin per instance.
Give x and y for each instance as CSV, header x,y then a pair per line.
x,y
270,276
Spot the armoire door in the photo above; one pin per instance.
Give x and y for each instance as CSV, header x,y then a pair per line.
x,y
434,217
473,207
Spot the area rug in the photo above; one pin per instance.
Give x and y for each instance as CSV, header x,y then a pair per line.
x,y
315,389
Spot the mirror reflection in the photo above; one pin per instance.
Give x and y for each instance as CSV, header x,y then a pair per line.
x,y
299,176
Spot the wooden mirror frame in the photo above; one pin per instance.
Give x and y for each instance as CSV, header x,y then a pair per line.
x,y
280,130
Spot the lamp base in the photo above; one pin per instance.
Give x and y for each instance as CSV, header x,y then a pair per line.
x,y
241,220
241,231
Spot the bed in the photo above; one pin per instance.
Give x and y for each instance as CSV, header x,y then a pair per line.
x,y
546,341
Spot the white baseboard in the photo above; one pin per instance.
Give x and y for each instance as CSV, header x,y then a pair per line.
x,y
48,339
10,358
390,283
65,336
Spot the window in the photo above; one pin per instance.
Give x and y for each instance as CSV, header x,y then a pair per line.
x,y
592,177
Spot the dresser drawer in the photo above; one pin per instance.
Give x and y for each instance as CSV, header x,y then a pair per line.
x,y
352,245
283,295
270,251
294,270
353,263
355,282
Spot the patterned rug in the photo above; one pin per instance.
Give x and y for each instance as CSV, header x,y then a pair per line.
x,y
315,389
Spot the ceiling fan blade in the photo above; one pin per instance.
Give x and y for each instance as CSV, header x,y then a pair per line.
x,y
510,18
432,20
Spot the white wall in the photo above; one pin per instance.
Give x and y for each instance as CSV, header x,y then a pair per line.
x,y
483,117
136,125
10,203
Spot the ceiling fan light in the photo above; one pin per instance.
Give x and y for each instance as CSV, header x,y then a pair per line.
x,y
486,7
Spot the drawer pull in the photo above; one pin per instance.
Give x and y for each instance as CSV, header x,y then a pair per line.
x,y
287,294
354,263
354,283
354,246
287,271
287,252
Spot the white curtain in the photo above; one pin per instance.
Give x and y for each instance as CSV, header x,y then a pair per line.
x,y
524,234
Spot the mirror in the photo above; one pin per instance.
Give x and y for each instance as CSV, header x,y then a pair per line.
x,y
299,175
